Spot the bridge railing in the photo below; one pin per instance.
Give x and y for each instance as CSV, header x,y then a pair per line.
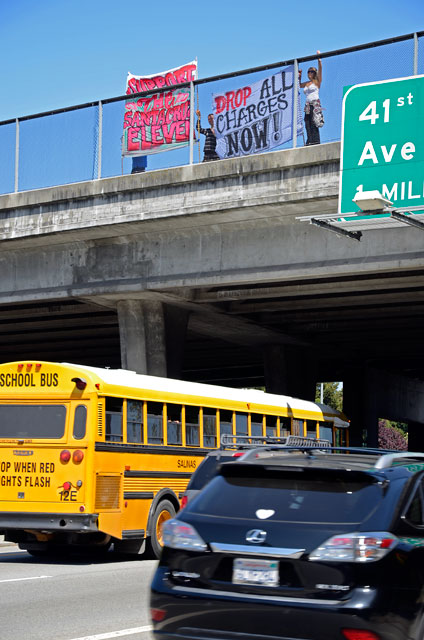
x,y
83,142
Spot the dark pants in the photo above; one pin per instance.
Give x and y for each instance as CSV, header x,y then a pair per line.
x,y
210,156
312,132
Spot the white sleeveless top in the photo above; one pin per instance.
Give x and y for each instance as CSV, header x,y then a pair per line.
x,y
311,92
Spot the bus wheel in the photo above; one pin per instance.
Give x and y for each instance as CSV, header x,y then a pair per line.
x,y
164,511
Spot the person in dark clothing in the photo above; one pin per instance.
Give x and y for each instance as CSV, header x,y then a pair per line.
x,y
209,150
139,164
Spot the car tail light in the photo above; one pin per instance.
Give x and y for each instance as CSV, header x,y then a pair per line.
x,y
78,456
238,454
359,634
157,615
184,501
355,547
180,535
65,455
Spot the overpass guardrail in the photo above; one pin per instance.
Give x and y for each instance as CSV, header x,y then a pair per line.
x,y
83,142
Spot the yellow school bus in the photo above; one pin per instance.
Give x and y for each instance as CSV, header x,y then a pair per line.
x,y
90,456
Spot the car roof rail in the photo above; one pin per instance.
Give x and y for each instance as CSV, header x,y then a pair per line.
x,y
389,459
230,441
386,458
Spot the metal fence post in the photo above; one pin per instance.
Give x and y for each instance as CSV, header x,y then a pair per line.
x,y
415,54
17,156
191,121
295,92
99,142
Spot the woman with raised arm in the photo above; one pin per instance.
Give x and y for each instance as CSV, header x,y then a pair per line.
x,y
313,110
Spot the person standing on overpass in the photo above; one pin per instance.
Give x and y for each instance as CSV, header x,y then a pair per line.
x,y
313,109
209,150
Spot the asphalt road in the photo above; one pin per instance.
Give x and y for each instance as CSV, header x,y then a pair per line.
x,y
73,598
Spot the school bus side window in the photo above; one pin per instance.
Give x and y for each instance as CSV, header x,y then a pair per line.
x,y
285,427
135,421
226,421
326,431
80,421
114,420
297,427
256,424
174,432
241,424
311,428
209,428
192,422
155,422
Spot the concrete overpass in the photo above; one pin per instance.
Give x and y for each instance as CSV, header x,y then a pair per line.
x,y
203,272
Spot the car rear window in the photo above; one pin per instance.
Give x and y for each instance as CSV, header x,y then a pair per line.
x,y
206,471
292,497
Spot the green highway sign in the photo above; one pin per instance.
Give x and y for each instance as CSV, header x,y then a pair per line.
x,y
382,145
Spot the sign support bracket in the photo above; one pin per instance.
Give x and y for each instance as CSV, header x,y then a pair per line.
x,y
355,235
401,217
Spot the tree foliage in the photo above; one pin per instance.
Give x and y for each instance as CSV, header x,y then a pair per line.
x,y
333,395
391,437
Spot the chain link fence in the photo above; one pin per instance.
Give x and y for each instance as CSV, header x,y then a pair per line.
x,y
84,142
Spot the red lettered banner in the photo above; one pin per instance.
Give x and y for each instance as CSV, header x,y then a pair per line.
x,y
160,121
257,117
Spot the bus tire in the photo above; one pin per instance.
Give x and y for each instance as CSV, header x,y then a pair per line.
x,y
164,511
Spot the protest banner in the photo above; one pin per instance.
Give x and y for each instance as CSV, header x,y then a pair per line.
x,y
256,117
159,121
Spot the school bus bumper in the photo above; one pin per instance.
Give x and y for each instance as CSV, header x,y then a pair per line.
x,y
49,522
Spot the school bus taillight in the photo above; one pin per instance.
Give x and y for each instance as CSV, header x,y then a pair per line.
x,y
65,455
67,486
78,456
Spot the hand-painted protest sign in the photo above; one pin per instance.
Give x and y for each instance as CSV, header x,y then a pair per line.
x,y
256,117
161,120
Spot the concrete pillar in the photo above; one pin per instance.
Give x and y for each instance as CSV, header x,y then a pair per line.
x,y
142,336
275,371
289,371
415,436
132,335
154,323
359,405
176,321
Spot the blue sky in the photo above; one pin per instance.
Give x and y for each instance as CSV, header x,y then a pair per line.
x,y
57,53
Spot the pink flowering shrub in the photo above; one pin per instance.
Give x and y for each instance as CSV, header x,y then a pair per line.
x,y
390,438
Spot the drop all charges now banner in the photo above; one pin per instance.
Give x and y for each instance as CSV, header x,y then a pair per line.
x,y
257,117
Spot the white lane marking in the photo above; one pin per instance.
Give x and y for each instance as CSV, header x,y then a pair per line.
x,y
20,579
116,634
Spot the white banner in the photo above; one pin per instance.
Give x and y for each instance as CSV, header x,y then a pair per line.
x,y
256,117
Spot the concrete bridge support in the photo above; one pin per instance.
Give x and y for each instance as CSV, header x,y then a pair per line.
x,y
369,395
289,371
360,407
152,336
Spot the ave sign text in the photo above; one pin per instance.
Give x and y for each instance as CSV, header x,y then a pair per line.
x,y
383,142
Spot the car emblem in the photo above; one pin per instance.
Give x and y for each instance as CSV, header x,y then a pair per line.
x,y
256,536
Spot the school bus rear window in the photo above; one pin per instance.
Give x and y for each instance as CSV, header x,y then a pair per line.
x,y
44,421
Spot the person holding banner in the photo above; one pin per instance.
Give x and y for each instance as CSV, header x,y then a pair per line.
x,y
209,150
313,109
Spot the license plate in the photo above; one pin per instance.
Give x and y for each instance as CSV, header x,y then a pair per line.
x,y
259,572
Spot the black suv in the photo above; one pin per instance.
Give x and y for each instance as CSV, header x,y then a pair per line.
x,y
295,543
232,448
